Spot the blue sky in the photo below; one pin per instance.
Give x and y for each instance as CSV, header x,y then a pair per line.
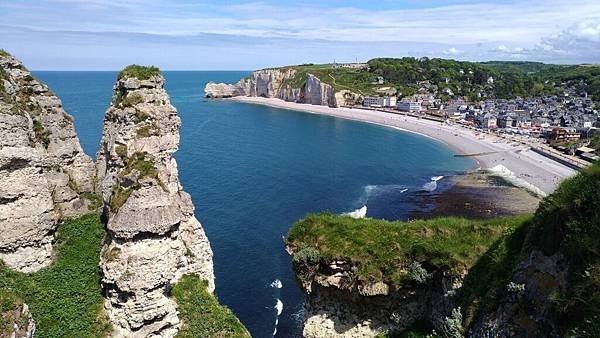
x,y
186,34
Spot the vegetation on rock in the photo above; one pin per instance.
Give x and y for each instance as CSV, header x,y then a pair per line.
x,y
201,313
65,298
41,135
385,251
139,72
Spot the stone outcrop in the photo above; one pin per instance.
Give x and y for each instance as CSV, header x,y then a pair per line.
x,y
153,237
339,305
17,322
45,173
283,83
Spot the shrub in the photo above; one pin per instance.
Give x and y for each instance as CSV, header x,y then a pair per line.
x,y
94,199
148,130
132,99
118,197
308,255
452,326
141,116
41,135
121,150
417,273
139,72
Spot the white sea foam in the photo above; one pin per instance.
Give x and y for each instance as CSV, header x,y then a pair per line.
x,y
276,284
437,178
505,173
358,213
430,186
404,190
279,307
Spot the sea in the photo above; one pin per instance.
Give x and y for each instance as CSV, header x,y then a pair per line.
x,y
252,171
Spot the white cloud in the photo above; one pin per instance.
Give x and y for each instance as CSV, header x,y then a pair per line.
x,y
451,51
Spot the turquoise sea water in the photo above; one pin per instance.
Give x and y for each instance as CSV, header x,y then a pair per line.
x,y
252,171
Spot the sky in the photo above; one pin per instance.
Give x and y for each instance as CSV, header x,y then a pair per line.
x,y
246,35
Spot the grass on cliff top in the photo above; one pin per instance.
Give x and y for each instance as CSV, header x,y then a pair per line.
x,y
355,80
139,72
4,53
382,250
201,313
65,298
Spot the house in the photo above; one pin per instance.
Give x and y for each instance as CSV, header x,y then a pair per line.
x,y
379,101
409,106
506,121
489,121
564,134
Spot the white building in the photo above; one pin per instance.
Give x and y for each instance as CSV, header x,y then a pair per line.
x,y
409,106
379,101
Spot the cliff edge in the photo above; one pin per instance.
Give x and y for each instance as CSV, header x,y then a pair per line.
x,y
46,176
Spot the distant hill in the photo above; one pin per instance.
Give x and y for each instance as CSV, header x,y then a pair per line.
x,y
447,78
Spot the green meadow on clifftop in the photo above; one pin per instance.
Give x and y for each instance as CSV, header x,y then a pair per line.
x,y
566,223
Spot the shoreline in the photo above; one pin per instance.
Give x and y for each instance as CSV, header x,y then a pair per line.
x,y
532,171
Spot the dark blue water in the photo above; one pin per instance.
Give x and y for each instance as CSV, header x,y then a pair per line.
x,y
252,171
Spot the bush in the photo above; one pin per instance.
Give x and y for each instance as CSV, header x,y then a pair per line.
x,y
417,273
41,135
139,72
308,255
132,99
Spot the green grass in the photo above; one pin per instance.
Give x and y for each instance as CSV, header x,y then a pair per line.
x,y
95,200
383,250
148,130
3,52
65,298
139,72
142,163
201,313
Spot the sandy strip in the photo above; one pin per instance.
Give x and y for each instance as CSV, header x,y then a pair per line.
x,y
537,170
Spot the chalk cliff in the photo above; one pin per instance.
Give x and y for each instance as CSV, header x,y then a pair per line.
x,y
46,176
283,83
153,237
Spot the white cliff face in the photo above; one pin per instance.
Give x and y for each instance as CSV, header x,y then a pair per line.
x,y
153,237
277,83
42,165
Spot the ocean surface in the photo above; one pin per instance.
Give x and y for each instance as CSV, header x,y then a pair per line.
x,y
253,170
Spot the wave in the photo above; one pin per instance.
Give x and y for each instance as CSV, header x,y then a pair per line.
x,y
358,213
279,308
374,190
276,284
505,173
432,185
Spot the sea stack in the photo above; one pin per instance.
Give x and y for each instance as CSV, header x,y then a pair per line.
x,y
46,176
153,237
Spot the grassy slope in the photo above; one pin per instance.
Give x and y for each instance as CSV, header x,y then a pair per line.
x,y
65,298
382,250
201,313
567,222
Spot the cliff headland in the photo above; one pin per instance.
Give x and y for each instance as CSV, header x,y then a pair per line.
x,y
142,269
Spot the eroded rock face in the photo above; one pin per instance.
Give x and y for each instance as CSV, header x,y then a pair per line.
x,y
527,313
43,168
277,83
339,305
153,236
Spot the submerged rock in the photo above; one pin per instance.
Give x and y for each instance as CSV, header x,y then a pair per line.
x,y
153,236
45,173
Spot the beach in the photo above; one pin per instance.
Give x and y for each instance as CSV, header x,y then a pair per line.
x,y
513,161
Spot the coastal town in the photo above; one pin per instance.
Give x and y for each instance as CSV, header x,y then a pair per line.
x,y
567,122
